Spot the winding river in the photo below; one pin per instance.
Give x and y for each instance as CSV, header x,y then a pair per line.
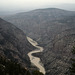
x,y
35,60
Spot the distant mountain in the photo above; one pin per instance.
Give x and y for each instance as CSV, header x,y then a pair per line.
x,y
66,6
39,20
54,29
13,43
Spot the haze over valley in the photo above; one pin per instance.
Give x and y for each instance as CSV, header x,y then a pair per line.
x,y
39,37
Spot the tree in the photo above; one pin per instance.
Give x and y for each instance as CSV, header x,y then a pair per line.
x,y
72,68
9,67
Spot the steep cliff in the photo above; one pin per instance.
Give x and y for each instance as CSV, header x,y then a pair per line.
x,y
13,43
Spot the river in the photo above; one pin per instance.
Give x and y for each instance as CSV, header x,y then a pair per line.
x,y
36,60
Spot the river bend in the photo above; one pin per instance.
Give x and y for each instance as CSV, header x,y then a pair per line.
x,y
36,60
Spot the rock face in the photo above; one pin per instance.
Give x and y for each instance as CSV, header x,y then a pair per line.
x,y
13,43
54,29
58,53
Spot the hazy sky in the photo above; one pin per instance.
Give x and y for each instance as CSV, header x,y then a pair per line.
x,y
13,5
